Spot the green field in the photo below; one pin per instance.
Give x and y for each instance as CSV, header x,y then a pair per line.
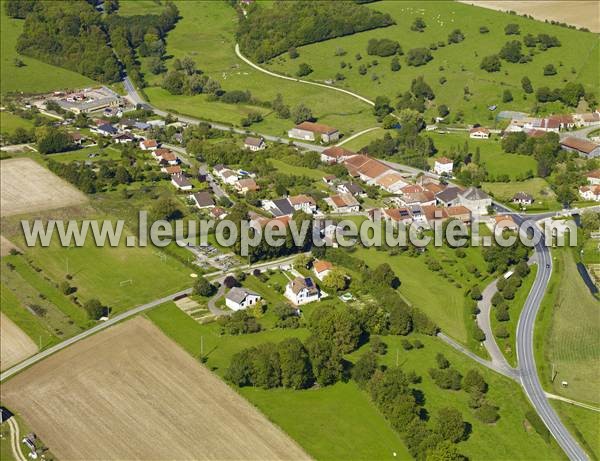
x,y
458,63
440,298
339,422
364,139
35,76
544,196
121,277
583,423
493,158
573,339
10,122
207,34
82,155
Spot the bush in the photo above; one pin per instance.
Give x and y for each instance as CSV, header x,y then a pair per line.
x,y
378,346
487,413
476,293
406,345
512,29
456,36
502,314
483,30
501,332
303,70
539,426
293,53
418,25
478,334
442,362
94,309
497,299
384,47
507,96
549,69
395,64
491,63
418,57
364,368
418,344
511,51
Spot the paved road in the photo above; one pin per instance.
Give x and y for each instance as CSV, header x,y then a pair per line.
x,y
581,133
526,359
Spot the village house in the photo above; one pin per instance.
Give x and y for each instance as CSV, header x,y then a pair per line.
x,y
254,144
501,223
449,196
397,216
475,200
303,202
329,179
309,131
434,187
335,154
583,147
366,168
124,138
301,290
351,188
218,213
181,182
593,177
77,138
522,198
157,123
434,214
591,193
169,158
172,169
459,212
229,176
479,133
158,153
202,199
343,203
105,129
587,119
322,269
391,182
243,186
148,144
278,207
241,298
564,121
443,166
422,198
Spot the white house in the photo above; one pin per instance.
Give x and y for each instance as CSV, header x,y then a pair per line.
x,y
302,290
479,133
322,269
254,144
181,182
336,154
123,138
475,200
593,177
148,144
522,198
443,165
241,298
303,202
343,203
591,193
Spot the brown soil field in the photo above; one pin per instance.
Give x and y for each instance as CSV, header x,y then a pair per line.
x,y
6,245
130,392
28,187
580,13
15,345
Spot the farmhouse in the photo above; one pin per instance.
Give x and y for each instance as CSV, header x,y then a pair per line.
x,y
475,200
181,182
587,119
459,212
322,269
343,203
479,133
522,198
335,154
241,298
366,168
254,144
583,147
422,198
563,121
243,186
443,166
148,144
391,181
309,131
301,290
202,199
591,193
593,177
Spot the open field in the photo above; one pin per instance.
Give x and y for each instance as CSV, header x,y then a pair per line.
x,y
458,63
35,76
10,122
580,13
495,161
133,393
28,187
331,422
573,340
14,344
207,34
545,198
583,424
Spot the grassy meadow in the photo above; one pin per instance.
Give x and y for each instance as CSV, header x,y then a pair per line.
x,y
583,423
207,34
10,122
458,63
35,76
544,196
339,422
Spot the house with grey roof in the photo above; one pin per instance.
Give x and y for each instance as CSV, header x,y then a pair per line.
x,y
448,196
475,200
279,207
241,298
302,290
202,199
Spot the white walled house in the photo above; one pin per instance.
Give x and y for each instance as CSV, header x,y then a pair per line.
x,y
241,298
254,144
443,165
479,133
475,200
302,290
308,131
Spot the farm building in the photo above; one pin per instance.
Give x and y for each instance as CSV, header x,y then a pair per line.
x,y
309,131
335,154
583,147
90,101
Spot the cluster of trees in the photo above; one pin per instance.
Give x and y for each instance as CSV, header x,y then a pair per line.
x,y
544,41
71,35
186,79
20,8
569,95
444,376
506,291
51,140
239,323
383,47
95,309
268,32
500,258
418,57
546,149
418,25
456,36
415,99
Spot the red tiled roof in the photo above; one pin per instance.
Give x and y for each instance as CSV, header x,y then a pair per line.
x,y
582,145
337,152
321,266
443,160
316,127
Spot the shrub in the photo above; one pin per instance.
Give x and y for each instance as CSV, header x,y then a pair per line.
x,y
491,63
406,345
507,96
549,69
456,36
478,334
501,332
502,314
418,344
293,52
483,30
512,29
303,70
487,413
383,47
418,57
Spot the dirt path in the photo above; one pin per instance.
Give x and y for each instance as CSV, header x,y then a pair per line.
x,y
15,443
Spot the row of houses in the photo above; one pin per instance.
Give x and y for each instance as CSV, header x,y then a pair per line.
x,y
241,180
554,123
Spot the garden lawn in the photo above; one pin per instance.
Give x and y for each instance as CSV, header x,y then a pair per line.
x,y
495,161
363,140
82,155
120,277
10,122
294,170
35,76
458,63
207,34
573,339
